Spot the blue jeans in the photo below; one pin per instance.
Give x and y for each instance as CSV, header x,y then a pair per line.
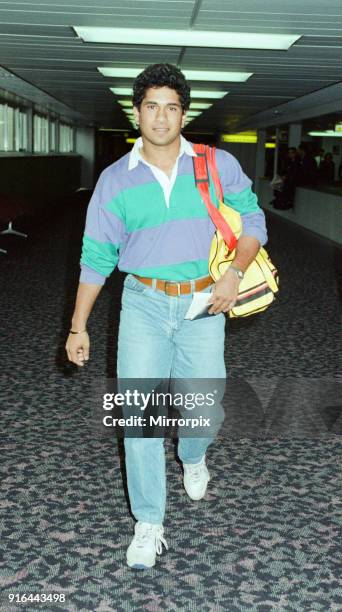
x,y
155,341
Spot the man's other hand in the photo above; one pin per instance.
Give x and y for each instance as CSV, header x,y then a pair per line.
x,y
225,293
77,348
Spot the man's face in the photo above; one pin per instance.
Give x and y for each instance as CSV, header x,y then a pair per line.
x,y
161,117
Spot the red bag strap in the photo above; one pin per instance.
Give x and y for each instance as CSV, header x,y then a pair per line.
x,y
205,157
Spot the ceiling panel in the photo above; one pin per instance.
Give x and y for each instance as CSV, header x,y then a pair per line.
x,y
39,46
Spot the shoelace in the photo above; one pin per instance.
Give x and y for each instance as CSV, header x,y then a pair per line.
x,y
144,532
194,471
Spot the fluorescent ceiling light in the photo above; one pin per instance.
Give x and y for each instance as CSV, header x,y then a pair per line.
x,y
209,75
186,38
195,93
246,137
198,93
202,105
191,75
191,113
120,72
127,103
122,91
327,134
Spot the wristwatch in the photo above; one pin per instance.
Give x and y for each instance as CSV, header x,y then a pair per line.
x,y
238,272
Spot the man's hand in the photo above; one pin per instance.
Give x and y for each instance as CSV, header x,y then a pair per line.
x,y
77,347
225,293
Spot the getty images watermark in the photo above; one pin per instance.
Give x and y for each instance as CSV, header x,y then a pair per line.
x,y
156,399
238,407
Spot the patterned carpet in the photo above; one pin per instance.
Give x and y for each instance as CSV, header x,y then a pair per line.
x,y
266,536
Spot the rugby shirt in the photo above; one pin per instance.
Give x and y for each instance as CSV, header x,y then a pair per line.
x,y
130,223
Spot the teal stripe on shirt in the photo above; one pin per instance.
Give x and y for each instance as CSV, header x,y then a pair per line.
x,y
244,202
186,270
100,256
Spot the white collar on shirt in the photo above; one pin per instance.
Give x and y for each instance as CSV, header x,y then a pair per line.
x,y
135,155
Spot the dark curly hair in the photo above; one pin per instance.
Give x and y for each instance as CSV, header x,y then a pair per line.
x,y
161,75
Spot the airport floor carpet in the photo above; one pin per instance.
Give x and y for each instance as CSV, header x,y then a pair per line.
x,y
266,535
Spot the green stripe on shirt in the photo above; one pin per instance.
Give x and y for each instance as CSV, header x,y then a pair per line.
x,y
176,272
145,205
100,256
244,202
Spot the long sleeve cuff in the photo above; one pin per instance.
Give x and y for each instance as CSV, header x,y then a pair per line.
x,y
90,276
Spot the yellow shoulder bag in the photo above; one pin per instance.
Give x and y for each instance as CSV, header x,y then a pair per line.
x,y
260,283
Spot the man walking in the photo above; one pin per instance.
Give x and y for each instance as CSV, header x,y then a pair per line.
x,y
146,216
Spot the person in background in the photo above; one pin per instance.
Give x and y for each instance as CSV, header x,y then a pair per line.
x,y
307,170
284,199
319,157
326,170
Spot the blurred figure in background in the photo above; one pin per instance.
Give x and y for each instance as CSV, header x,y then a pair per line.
x,y
319,157
284,198
326,170
307,171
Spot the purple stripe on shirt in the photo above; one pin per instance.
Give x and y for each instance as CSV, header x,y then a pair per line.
x,y
88,275
253,224
117,177
104,226
172,243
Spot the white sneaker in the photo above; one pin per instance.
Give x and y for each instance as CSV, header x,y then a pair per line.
x,y
196,478
147,541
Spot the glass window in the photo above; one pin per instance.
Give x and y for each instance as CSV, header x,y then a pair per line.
x,y
2,127
66,138
14,127
52,135
7,129
23,131
40,134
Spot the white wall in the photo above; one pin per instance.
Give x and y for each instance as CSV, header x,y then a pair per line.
x,y
85,146
314,210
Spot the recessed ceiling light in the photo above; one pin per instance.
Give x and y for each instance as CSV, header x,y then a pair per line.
x,y
248,137
209,75
126,103
198,93
327,134
122,91
191,75
202,105
195,93
186,38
